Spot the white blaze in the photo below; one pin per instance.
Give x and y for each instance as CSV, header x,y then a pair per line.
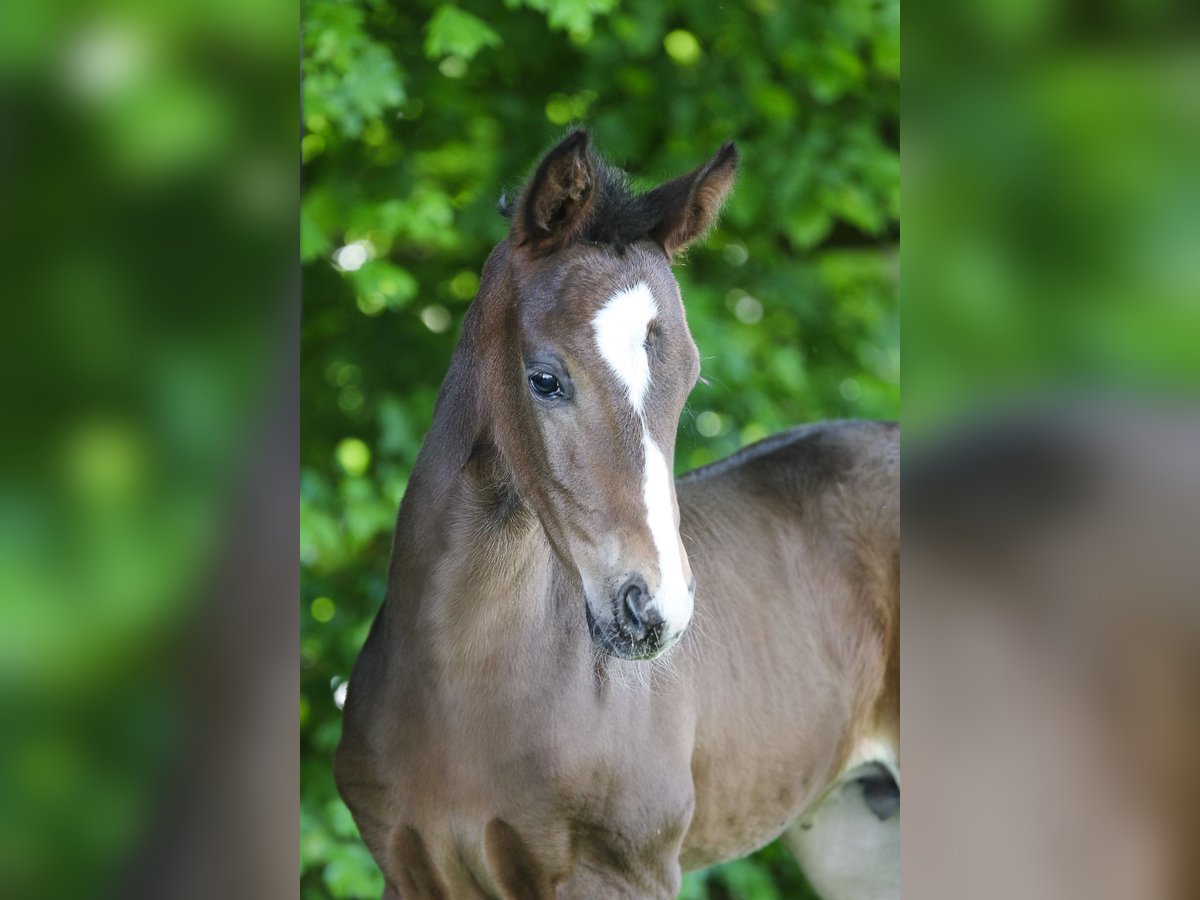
x,y
620,327
674,598
874,750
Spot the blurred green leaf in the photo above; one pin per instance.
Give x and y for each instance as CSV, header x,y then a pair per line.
x,y
349,78
353,873
452,31
574,16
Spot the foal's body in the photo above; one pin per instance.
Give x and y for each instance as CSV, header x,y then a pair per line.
x,y
535,714
551,772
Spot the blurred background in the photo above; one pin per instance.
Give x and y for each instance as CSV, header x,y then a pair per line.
x,y
1051,596
418,116
148,174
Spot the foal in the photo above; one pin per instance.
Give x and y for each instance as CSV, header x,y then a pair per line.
x,y
518,724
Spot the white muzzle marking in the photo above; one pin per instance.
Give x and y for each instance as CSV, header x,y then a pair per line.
x,y
620,327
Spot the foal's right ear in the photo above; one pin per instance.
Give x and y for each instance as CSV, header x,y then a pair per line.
x,y
555,206
686,207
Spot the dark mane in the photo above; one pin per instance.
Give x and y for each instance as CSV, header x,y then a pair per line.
x,y
620,216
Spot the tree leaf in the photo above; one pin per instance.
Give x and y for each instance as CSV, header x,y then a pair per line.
x,y
453,32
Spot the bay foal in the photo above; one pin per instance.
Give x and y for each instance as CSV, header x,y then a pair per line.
x,y
588,677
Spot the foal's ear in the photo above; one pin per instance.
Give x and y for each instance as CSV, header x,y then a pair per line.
x,y
687,206
555,206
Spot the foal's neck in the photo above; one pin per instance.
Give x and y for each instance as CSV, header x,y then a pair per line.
x,y
473,578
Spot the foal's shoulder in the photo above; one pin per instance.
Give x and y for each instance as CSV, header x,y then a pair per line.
x,y
812,459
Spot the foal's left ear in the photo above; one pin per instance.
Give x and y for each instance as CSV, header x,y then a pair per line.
x,y
688,206
555,207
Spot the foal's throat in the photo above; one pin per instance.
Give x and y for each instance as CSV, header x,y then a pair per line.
x,y
495,590
473,576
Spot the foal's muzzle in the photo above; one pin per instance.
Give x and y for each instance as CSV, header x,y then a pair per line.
x,y
637,629
637,618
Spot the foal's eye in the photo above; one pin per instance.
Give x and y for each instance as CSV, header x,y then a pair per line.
x,y
545,384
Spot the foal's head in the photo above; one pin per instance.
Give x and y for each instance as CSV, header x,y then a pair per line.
x,y
598,362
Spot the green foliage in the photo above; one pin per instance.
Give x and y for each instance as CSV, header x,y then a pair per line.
x,y
454,32
348,77
417,117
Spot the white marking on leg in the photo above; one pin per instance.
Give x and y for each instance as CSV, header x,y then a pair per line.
x,y
620,328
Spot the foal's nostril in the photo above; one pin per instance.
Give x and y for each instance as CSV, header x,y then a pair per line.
x,y
636,617
632,607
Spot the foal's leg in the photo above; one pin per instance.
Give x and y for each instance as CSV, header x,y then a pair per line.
x,y
849,847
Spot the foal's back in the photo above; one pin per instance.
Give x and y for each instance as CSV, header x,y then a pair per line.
x,y
793,660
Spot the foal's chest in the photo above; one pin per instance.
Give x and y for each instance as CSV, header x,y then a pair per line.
x,y
533,813
542,842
